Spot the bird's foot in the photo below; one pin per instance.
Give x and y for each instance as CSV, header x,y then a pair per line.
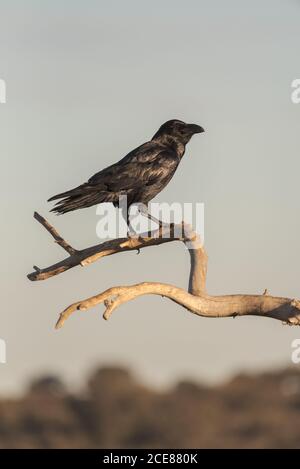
x,y
131,233
144,212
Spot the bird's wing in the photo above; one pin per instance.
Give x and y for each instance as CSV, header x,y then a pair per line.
x,y
160,170
147,165
144,165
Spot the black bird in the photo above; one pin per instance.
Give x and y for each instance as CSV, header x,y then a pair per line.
x,y
140,175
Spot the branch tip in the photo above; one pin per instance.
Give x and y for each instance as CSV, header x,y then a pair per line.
x,y
58,239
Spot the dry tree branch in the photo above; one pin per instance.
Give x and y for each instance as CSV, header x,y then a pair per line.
x,y
58,239
194,300
283,309
91,254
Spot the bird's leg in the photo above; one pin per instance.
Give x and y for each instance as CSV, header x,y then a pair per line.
x,y
126,217
125,211
134,211
143,209
131,233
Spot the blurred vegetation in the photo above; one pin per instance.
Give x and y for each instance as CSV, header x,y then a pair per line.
x,y
114,411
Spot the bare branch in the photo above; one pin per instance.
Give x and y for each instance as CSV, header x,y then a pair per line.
x,y
194,300
284,309
164,234
58,239
198,259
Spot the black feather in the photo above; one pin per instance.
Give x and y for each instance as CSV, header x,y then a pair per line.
x,y
140,175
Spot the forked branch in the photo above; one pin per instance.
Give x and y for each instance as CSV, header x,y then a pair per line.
x,y
91,254
195,299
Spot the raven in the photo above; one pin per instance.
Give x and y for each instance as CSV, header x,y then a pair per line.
x,y
140,175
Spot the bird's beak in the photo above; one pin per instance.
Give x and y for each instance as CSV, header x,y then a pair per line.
x,y
195,129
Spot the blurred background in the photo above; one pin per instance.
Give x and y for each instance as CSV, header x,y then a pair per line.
x,y
113,410
87,81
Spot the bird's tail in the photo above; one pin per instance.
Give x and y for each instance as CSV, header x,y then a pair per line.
x,y
81,197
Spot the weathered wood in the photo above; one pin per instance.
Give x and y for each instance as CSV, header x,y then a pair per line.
x,y
194,300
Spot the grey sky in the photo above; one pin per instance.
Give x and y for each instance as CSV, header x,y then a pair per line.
x,y
86,82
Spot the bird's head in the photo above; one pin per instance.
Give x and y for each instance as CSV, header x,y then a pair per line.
x,y
178,130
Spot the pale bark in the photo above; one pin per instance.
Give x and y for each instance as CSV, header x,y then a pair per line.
x,y
195,299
